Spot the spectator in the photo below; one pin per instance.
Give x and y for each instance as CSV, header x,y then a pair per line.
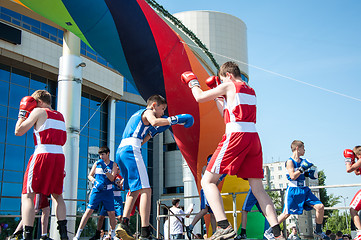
x,y
333,236
339,235
294,234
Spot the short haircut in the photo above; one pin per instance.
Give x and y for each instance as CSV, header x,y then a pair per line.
x,y
104,149
230,67
175,201
295,144
328,232
156,98
339,234
42,95
357,150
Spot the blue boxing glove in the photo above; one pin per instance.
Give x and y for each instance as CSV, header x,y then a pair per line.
x,y
105,168
183,119
99,186
305,164
311,174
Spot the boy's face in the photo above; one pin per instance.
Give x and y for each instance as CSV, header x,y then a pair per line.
x,y
104,156
301,150
159,109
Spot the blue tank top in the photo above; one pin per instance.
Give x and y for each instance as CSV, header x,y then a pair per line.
x,y
116,188
300,180
135,127
100,176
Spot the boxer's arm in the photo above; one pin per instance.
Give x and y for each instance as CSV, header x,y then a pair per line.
x,y
205,96
92,173
219,103
146,138
153,120
352,167
291,170
23,125
111,176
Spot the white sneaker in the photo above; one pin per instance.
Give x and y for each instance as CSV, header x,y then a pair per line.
x,y
75,238
269,234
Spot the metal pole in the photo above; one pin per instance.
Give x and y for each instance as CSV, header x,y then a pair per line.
x,y
69,100
158,219
234,201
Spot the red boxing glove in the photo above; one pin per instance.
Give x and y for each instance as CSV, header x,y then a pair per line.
x,y
213,81
349,156
27,104
190,79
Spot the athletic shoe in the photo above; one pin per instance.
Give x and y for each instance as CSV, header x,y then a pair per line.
x,y
222,234
241,236
122,231
45,238
269,234
358,235
75,238
321,235
189,232
15,236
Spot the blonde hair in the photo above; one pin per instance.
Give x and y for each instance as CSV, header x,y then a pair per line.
x,y
42,95
295,144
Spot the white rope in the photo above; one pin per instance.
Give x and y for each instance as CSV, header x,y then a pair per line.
x,y
95,112
278,74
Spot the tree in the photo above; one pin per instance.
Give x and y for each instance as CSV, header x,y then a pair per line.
x,y
327,200
337,222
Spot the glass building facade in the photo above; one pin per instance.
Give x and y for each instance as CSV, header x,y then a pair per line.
x,y
15,152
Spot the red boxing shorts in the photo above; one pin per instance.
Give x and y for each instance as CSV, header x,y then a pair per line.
x,y
41,201
356,201
44,174
239,153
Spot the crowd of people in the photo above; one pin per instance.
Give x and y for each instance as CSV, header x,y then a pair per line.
x,y
238,153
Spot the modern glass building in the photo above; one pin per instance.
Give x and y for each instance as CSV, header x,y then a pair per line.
x,y
33,64
30,49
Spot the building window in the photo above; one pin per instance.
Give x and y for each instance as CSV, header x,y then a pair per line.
x,y
281,185
279,168
272,177
280,176
271,168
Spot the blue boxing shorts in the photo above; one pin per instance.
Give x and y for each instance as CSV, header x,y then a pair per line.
x,y
298,199
132,168
118,207
204,202
250,201
105,197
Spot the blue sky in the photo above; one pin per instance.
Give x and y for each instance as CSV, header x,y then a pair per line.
x,y
313,42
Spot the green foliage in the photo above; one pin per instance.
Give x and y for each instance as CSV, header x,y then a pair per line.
x,y
90,226
337,222
181,26
12,224
327,200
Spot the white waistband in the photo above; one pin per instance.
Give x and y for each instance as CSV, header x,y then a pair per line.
x,y
240,127
117,193
109,186
136,142
296,184
48,148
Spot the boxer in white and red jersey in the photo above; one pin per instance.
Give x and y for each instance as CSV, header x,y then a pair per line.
x,y
353,164
240,152
45,170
